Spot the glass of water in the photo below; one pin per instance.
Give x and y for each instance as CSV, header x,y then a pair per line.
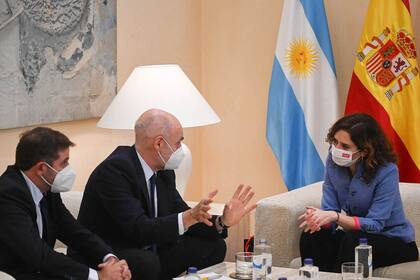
x,y
351,271
243,265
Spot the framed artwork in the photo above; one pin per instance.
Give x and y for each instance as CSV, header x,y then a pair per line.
x,y
57,60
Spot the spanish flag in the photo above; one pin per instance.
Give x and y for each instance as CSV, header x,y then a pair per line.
x,y
386,82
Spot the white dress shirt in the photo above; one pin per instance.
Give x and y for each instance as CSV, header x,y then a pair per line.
x,y
36,197
148,173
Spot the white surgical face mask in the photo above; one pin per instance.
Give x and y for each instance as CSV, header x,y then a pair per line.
x,y
343,157
175,159
63,181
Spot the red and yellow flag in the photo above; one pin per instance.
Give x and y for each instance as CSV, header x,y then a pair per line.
x,y
386,81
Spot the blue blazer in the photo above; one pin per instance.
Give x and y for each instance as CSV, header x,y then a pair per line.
x,y
377,203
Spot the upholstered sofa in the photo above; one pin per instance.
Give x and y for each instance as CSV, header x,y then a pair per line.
x,y
276,221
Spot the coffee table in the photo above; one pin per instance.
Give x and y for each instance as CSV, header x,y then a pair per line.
x,y
226,268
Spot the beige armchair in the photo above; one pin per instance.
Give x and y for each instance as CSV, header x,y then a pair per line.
x,y
276,221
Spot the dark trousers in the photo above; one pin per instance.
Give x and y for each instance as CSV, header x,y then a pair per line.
x,y
191,251
143,264
168,263
329,249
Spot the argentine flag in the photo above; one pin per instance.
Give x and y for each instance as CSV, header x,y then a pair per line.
x,y
302,103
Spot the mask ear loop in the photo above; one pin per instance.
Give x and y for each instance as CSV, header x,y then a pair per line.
x,y
160,155
42,177
168,144
52,168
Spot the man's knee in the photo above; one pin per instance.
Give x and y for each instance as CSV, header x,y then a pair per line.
x,y
213,251
143,264
151,263
220,250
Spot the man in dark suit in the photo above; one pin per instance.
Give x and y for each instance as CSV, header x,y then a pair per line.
x,y
32,216
131,201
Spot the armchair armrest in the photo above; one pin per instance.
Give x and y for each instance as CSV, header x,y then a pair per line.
x,y
276,221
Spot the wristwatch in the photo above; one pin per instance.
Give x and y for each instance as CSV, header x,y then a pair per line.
x,y
222,224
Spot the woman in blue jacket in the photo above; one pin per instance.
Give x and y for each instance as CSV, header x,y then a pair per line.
x,y
360,198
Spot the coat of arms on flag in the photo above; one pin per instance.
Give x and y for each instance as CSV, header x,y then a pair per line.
x,y
389,60
386,81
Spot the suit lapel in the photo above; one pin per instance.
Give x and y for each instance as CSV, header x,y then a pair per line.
x,y
140,178
13,173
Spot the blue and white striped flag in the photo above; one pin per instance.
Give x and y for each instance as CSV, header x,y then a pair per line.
x,y
303,98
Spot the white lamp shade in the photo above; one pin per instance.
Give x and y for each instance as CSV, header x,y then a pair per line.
x,y
164,87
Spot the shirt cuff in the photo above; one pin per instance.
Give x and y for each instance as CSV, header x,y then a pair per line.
x,y
93,274
219,228
109,255
181,228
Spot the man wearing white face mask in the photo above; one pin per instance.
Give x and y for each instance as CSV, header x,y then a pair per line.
x,y
33,216
63,180
131,201
175,159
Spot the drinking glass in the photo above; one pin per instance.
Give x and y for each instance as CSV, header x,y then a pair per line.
x,y
243,265
351,271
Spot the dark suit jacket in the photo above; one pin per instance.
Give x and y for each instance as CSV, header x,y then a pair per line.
x,y
22,251
116,205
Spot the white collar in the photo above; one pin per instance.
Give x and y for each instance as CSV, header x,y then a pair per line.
x,y
148,172
35,192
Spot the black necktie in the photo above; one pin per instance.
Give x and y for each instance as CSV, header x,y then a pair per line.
x,y
152,181
43,205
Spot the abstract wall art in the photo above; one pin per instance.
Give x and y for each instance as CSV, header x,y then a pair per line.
x,y
57,60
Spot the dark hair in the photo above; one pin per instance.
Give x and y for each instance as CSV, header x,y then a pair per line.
x,y
368,136
40,144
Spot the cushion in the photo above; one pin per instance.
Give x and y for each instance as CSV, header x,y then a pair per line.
x,y
406,271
